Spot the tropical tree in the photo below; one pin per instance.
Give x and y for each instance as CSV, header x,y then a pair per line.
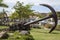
x,y
14,15
23,10
2,4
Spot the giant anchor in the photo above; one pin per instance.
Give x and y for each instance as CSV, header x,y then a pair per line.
x,y
53,15
25,27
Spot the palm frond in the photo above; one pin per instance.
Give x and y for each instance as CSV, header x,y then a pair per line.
x,y
3,5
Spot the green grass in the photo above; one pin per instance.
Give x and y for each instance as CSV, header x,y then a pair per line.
x,y
38,34
2,27
41,34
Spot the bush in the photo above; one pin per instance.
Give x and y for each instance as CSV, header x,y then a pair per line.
x,y
17,36
27,37
48,25
58,27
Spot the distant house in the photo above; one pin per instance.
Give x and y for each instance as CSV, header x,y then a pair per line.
x,y
44,14
33,18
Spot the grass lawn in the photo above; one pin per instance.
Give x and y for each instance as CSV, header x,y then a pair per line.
x,y
2,27
39,34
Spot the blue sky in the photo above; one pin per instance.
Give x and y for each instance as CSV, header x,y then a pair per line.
x,y
54,3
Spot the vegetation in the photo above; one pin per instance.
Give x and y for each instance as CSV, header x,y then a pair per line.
x,y
3,27
3,14
36,34
58,14
2,4
58,27
23,10
48,25
14,15
41,34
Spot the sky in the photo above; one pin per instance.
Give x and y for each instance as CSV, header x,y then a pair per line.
x,y
38,8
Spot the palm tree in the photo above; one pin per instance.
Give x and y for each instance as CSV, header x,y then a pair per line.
x,y
2,4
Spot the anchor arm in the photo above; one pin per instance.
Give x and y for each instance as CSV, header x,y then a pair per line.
x,y
54,16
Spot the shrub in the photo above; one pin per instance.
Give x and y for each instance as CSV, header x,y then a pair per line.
x,y
58,27
48,25
27,37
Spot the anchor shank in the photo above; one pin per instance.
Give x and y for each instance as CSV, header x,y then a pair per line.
x,y
38,20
